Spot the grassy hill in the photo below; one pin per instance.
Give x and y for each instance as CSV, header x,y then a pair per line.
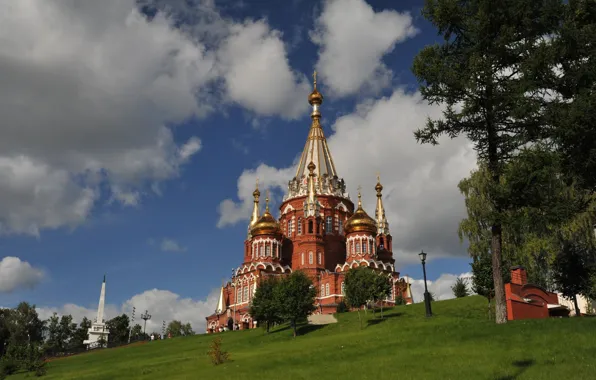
x,y
459,342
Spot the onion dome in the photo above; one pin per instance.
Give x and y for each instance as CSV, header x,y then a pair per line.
x,y
315,96
360,221
266,224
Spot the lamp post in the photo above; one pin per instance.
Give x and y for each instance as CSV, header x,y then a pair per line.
x,y
429,312
132,322
235,298
145,317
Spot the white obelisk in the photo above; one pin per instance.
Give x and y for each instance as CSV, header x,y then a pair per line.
x,y
98,327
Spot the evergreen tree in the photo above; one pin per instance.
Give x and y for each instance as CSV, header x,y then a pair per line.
x,y
480,73
460,288
265,307
295,296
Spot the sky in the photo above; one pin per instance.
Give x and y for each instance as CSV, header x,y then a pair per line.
x,y
132,134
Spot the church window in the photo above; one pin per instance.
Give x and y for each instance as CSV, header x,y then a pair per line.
x,y
322,290
239,295
327,289
267,250
343,289
320,258
371,246
381,243
310,226
364,246
261,250
329,225
299,226
310,257
340,227
245,297
357,247
302,257
290,228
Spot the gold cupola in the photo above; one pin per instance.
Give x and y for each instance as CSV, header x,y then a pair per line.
x,y
315,98
360,221
266,224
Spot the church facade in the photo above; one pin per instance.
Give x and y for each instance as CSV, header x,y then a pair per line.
x,y
319,231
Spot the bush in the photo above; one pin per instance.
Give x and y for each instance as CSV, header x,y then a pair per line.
x,y
8,366
342,307
216,354
399,300
39,368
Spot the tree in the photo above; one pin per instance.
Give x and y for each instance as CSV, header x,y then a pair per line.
x,y
187,329
137,332
174,329
358,285
295,296
66,330
460,288
479,73
24,324
82,332
53,342
265,306
119,329
482,277
381,288
574,270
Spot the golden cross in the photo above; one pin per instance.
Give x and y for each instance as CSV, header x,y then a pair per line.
x,y
257,182
359,189
267,199
378,177
314,76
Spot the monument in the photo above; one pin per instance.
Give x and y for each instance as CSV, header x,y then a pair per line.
x,y
98,333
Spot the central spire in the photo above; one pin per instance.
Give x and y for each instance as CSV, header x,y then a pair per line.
x,y
316,149
381,219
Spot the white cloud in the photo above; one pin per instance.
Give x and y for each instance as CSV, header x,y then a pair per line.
x,y
89,93
162,305
353,40
421,197
257,72
170,245
441,287
17,274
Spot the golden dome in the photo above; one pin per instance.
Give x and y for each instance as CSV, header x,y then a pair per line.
x,y
266,224
315,96
360,221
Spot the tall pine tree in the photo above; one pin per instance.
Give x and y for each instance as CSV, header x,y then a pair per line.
x,y
479,73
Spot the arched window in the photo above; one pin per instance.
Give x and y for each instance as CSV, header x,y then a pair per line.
x,y
320,258
289,227
310,226
267,250
343,289
357,247
310,257
261,250
327,289
364,246
239,295
371,246
381,243
329,224
299,226
302,258
322,290
245,297
340,227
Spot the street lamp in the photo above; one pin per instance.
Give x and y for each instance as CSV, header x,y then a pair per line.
x,y
429,312
145,317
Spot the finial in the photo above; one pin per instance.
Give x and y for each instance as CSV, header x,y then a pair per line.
x,y
378,177
104,278
267,201
359,196
256,193
314,76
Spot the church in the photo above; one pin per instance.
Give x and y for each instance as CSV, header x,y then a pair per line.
x,y
319,231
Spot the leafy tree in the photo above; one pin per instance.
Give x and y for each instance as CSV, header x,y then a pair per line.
x,y
574,270
137,332
24,324
67,329
295,296
53,342
119,329
460,288
358,288
174,329
381,288
480,73
265,305
482,277
82,332
187,329
4,330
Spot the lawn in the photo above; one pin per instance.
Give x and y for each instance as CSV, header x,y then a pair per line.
x,y
459,342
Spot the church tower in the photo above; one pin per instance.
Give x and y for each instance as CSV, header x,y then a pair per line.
x,y
384,241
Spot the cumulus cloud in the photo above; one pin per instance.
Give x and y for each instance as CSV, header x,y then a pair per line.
x,y
353,39
441,287
421,197
89,92
171,245
16,274
163,305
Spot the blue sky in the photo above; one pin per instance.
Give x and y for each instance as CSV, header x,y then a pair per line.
x,y
250,121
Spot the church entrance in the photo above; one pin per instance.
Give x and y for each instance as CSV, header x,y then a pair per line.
x,y
230,324
245,326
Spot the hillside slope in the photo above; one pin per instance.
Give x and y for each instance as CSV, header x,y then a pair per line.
x,y
459,342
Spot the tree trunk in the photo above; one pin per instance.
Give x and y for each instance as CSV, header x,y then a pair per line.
x,y
267,324
500,303
578,313
359,319
293,323
381,310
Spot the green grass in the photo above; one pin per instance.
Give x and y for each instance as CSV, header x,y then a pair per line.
x,y
459,342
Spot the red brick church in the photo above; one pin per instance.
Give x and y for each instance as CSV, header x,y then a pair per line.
x,y
318,232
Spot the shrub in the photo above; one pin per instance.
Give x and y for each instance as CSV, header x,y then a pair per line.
x,y
342,307
216,354
8,366
399,300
